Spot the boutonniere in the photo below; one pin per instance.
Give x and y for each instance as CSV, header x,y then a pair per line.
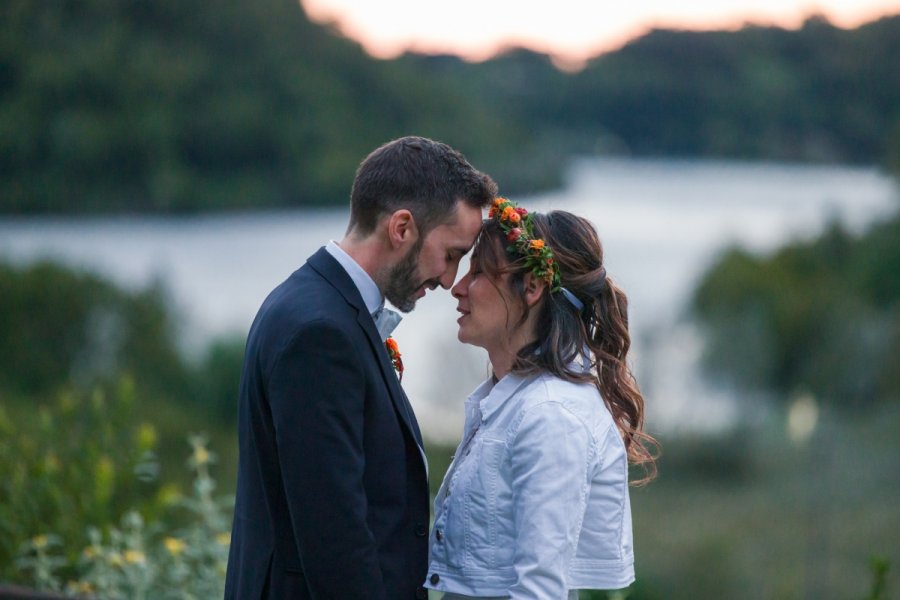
x,y
394,352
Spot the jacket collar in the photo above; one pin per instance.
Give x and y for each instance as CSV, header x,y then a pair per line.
x,y
491,396
332,271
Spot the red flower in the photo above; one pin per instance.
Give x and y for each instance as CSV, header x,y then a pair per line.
x,y
522,212
514,234
394,352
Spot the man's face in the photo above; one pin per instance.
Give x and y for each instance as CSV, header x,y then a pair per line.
x,y
434,260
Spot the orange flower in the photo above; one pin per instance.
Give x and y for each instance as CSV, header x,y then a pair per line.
x,y
499,201
537,244
508,213
392,346
394,353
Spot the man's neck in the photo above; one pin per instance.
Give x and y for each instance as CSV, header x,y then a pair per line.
x,y
367,252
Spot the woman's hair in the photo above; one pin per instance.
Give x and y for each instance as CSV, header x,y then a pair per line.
x,y
565,332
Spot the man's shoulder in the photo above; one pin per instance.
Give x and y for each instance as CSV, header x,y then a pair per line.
x,y
302,299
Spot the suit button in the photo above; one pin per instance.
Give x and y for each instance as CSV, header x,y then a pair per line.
x,y
439,535
421,594
421,530
434,578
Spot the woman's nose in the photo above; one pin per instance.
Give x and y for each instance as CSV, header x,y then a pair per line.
x,y
459,290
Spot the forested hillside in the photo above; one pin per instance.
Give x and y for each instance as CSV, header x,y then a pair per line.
x,y
158,105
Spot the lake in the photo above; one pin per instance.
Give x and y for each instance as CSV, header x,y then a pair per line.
x,y
662,222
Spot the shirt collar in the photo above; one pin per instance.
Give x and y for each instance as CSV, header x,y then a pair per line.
x,y
369,291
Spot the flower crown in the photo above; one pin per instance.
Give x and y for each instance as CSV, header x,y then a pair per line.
x,y
517,224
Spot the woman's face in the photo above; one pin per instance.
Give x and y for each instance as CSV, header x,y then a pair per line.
x,y
488,313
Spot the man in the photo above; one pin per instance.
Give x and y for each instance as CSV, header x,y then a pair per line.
x,y
332,493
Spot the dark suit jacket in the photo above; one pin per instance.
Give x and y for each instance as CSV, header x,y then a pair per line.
x,y
332,493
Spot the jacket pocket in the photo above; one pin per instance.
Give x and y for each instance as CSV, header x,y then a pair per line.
x,y
482,517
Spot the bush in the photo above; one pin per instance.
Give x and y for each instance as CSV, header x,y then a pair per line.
x,y
77,461
140,560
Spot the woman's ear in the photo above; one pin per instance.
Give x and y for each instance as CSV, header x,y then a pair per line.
x,y
401,228
534,289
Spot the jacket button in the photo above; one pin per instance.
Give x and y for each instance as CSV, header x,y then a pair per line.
x,y
434,578
421,530
421,594
439,535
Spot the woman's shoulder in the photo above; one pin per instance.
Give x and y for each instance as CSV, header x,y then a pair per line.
x,y
550,393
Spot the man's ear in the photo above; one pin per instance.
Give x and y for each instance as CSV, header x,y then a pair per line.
x,y
402,229
534,289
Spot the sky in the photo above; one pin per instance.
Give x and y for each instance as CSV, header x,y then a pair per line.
x,y
569,30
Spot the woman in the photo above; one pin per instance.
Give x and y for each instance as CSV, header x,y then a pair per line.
x,y
535,503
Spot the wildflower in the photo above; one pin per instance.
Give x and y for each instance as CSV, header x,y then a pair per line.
x,y
224,539
201,455
39,542
115,559
81,588
146,436
174,545
135,557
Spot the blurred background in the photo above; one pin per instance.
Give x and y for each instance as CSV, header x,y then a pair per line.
x,y
164,164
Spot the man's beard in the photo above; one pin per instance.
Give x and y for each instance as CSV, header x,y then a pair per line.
x,y
402,281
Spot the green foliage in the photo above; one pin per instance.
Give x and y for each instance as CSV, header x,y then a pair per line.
x,y
820,316
63,328
880,567
59,326
144,560
158,105
74,462
217,377
94,393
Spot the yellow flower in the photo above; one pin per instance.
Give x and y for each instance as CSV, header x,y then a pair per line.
x,y
146,436
537,244
81,588
201,455
39,541
135,557
174,545
224,539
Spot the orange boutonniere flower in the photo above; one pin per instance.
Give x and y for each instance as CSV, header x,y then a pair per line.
x,y
394,352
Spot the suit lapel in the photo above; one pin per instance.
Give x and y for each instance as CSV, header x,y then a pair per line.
x,y
334,273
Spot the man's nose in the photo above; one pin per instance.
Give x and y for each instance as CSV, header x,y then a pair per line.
x,y
449,277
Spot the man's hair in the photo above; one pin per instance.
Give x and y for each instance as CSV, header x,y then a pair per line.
x,y
421,175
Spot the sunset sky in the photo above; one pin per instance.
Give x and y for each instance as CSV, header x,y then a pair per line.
x,y
571,30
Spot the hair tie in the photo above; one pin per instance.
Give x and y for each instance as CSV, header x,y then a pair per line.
x,y
572,299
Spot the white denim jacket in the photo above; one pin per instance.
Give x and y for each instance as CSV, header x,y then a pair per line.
x,y
535,502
